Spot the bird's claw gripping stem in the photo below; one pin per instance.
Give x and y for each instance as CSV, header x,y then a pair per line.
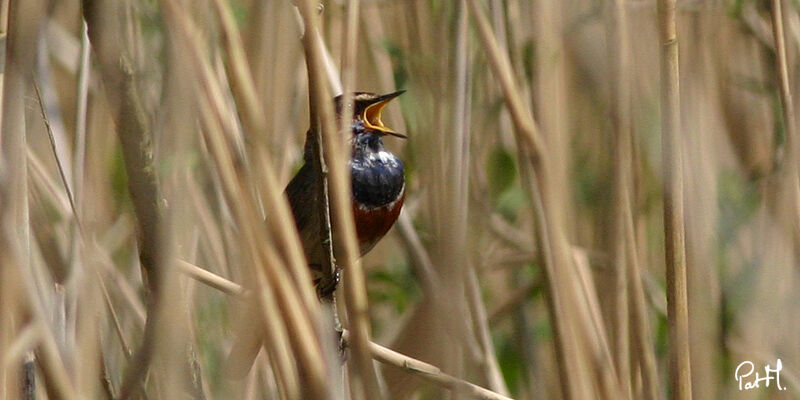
x,y
328,284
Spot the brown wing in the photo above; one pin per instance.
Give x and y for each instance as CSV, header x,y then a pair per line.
x,y
302,195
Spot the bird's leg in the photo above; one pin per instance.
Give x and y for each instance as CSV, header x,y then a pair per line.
x,y
328,284
330,302
337,326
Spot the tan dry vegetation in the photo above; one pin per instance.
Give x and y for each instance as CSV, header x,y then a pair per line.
x,y
603,199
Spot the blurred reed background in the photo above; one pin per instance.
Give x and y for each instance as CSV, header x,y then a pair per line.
x,y
147,252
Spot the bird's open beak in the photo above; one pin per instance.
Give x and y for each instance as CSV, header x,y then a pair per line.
x,y
372,114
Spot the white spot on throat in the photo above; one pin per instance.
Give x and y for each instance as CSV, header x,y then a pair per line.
x,y
382,156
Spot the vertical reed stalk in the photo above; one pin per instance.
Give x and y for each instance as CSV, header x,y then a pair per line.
x,y
23,23
349,65
354,283
490,366
792,161
274,279
250,107
450,204
79,155
577,345
4,33
787,103
641,341
323,124
672,171
220,88
106,26
616,27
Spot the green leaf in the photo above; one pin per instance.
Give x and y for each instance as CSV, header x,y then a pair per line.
x,y
510,202
501,171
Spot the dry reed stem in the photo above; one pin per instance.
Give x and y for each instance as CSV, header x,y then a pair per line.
x,y
250,109
597,346
275,334
672,171
382,60
28,337
431,373
451,343
380,353
323,124
305,333
10,313
211,279
134,132
321,121
322,188
218,239
24,18
79,156
419,256
349,65
641,342
4,35
126,349
360,388
45,185
300,319
57,380
104,28
78,244
630,310
489,363
792,162
48,354
620,92
60,167
553,244
84,325
787,104
128,293
421,260
275,330
454,265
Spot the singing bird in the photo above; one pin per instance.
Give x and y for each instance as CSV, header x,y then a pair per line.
x,y
377,177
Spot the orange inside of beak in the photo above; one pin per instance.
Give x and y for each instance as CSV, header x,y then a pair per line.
x,y
372,118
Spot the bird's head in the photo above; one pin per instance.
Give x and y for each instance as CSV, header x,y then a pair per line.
x,y
367,108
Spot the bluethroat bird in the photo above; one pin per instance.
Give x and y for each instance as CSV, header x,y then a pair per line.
x,y
377,177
